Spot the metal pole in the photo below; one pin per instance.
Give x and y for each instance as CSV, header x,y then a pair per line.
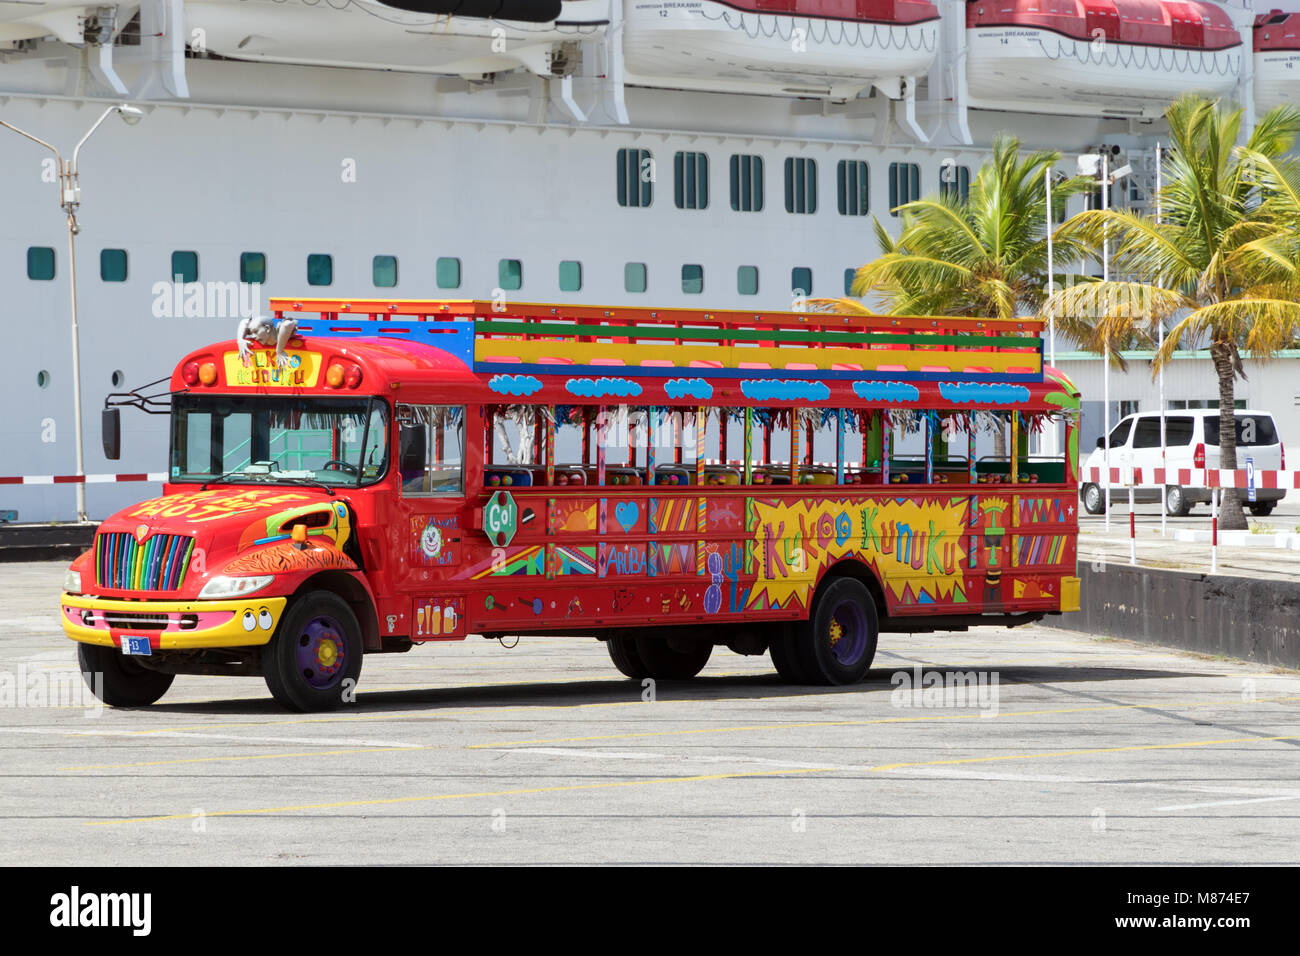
x,y
1105,277
1160,373
1214,531
76,366
1050,434
1132,526
1051,280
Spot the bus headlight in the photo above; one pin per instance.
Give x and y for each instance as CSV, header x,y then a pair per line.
x,y
72,581
223,586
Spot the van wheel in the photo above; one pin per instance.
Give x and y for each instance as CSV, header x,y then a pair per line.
x,y
1094,499
1176,503
837,644
314,660
1262,509
119,681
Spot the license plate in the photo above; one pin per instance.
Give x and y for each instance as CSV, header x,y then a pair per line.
x,y
136,646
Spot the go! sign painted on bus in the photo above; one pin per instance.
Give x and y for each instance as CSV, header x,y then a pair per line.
x,y
500,518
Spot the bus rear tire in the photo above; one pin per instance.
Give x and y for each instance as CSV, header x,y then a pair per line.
x,y
622,651
314,660
122,681
784,658
661,658
1094,499
837,644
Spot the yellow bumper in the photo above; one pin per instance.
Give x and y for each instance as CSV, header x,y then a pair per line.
x,y
172,625
1069,594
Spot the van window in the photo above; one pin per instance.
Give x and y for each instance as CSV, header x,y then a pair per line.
x,y
1178,431
1252,430
1119,434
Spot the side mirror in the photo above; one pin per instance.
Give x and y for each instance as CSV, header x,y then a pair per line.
x,y
1101,442
411,449
111,428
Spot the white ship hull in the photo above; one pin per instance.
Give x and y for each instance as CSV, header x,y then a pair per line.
x,y
1017,67
708,46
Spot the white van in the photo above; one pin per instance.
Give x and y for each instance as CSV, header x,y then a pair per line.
x,y
1191,441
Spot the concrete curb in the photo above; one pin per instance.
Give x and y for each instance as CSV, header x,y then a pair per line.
x,y
1248,618
44,542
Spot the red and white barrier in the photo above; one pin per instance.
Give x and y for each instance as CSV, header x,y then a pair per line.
x,y
1211,478
80,479
1193,477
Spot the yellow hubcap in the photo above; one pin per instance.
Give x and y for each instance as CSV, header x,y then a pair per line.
x,y
327,653
836,632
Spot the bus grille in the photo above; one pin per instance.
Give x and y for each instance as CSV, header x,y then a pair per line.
x,y
158,564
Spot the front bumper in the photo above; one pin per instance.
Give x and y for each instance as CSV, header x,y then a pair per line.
x,y
172,625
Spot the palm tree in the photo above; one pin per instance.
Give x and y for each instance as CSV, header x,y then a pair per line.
x,y
982,254
1223,255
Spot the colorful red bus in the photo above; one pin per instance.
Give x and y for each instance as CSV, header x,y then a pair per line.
x,y
392,473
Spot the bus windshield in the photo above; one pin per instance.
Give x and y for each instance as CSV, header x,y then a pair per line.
x,y
279,440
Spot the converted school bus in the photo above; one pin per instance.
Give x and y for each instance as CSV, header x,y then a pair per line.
x,y
663,480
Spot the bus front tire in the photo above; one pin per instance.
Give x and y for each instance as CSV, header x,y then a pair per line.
x,y
1261,509
314,660
837,644
1094,499
660,658
119,681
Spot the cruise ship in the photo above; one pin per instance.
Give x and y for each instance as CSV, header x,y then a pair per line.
x,y
674,152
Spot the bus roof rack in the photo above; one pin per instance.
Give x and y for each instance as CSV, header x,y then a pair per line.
x,y
512,337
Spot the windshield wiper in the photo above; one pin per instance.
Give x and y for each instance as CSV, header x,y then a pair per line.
x,y
238,473
310,481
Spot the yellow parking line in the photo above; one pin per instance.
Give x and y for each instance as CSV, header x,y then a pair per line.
x,y
976,715
697,778
314,753
424,798
1081,753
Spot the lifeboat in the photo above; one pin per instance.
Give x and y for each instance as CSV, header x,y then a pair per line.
x,y
455,37
1124,57
28,20
825,48
1277,59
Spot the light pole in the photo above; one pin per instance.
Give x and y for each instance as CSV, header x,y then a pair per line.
x,y
1089,165
69,201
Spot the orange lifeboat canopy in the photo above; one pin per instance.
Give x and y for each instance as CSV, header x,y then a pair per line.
x,y
1157,23
1277,30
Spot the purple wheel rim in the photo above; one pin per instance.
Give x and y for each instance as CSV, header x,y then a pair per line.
x,y
848,633
321,653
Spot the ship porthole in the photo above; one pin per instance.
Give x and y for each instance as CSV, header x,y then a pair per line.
x,y
42,378
118,378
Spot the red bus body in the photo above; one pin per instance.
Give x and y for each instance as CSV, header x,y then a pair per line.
x,y
715,544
